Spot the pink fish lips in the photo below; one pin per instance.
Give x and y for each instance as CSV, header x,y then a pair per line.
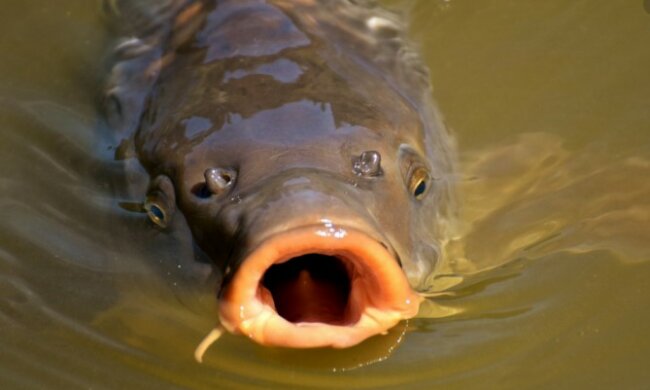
x,y
317,287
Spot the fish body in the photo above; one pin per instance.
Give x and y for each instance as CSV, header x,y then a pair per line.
x,y
299,140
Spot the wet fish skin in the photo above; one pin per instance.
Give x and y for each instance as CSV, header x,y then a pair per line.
x,y
287,96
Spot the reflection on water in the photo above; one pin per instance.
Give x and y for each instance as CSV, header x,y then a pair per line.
x,y
549,200
546,282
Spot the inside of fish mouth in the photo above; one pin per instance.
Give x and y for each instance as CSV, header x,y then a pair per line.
x,y
312,288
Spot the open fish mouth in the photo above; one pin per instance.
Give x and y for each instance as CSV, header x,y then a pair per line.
x,y
313,287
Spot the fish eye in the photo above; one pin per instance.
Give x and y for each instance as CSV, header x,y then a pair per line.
x,y
417,177
160,202
419,182
156,212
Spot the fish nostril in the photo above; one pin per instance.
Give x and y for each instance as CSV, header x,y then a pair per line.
x,y
367,164
201,190
226,177
218,180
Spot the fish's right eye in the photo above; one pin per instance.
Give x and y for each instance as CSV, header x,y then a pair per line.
x,y
156,212
160,203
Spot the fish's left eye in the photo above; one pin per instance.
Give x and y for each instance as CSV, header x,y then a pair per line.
x,y
419,182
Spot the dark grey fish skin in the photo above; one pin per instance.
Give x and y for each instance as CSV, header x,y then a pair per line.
x,y
256,117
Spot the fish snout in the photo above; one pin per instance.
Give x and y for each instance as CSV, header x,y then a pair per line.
x,y
315,275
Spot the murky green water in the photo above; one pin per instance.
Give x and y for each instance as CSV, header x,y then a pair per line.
x,y
550,102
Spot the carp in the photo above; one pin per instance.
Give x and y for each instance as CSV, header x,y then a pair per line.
x,y
300,142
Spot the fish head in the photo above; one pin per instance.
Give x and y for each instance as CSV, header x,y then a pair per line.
x,y
317,224
311,180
